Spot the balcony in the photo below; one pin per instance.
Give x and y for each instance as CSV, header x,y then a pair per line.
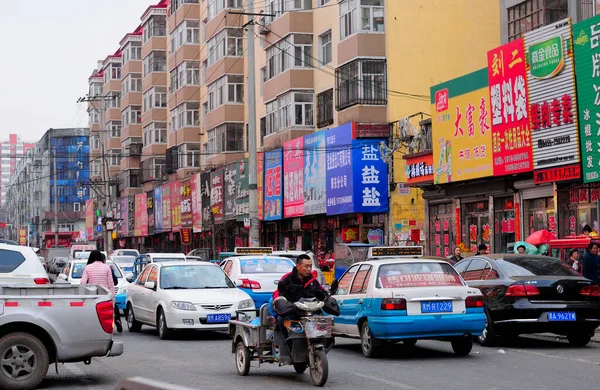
x,y
132,66
154,79
216,24
361,45
128,163
172,160
185,11
153,150
227,65
154,115
129,179
224,113
294,78
132,98
296,22
187,52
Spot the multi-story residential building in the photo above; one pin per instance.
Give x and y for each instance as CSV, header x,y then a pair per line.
x,y
11,151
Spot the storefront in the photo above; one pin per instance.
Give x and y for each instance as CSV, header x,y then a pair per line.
x,y
578,207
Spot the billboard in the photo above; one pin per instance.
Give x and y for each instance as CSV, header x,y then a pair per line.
x,y
242,193
196,186
314,172
185,204
260,181
230,179
273,197
158,210
293,178
166,207
216,195
175,206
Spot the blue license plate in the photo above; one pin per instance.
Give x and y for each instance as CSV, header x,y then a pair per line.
x,y
126,269
218,318
436,307
562,316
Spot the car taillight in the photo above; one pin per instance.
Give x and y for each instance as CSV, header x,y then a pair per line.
x,y
590,291
520,290
474,301
252,284
105,315
41,281
393,304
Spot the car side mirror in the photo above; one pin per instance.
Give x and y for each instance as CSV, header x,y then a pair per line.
x,y
239,283
150,285
62,276
334,286
129,277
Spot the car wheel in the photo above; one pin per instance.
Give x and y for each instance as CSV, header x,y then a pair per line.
x,y
368,343
163,330
242,359
132,324
578,339
23,361
409,342
462,346
488,337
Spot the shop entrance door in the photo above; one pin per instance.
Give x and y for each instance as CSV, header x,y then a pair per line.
x,y
476,228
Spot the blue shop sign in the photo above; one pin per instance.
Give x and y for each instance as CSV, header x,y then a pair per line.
x,y
338,165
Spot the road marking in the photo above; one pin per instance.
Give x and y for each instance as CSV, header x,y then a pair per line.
x,y
387,382
578,360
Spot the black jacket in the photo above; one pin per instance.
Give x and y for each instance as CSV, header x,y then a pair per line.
x,y
591,267
292,288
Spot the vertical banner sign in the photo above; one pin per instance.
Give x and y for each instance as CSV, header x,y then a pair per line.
x,y
260,181
314,172
89,218
205,195
143,213
551,85
137,223
461,132
186,203
511,135
166,198
370,177
242,193
196,203
339,170
230,179
158,210
131,216
22,237
586,37
150,212
216,195
175,206
273,199
124,217
293,178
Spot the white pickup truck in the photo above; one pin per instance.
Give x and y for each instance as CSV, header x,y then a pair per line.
x,y
41,325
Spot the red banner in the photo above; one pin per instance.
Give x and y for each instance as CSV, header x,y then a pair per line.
x,y
550,175
89,219
511,133
260,179
196,184
186,236
22,236
457,233
143,200
186,203
137,224
175,206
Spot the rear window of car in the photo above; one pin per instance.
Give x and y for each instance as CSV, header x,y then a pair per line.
x,y
417,275
78,270
10,260
265,266
535,266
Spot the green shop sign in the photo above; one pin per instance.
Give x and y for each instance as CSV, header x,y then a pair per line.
x,y
546,58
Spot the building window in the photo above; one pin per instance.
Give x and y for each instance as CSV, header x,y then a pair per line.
x,y
325,56
132,52
525,17
325,108
362,81
227,89
227,43
189,156
322,2
94,116
115,129
95,141
295,50
155,97
216,6
155,133
187,33
361,16
156,61
175,4
95,90
279,7
228,137
187,73
204,112
131,83
292,109
131,115
155,27
185,115
114,70
114,157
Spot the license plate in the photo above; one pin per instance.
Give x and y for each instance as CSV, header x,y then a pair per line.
x,y
562,316
127,269
218,318
436,307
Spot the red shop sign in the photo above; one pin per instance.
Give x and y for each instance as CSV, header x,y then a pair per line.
x,y
568,172
186,236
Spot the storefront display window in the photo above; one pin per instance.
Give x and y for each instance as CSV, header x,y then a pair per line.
x,y
476,226
441,232
577,208
539,214
504,223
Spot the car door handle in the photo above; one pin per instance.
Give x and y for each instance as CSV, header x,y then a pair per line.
x,y
340,303
360,300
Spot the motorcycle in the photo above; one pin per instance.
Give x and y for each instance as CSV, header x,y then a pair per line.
x,y
309,339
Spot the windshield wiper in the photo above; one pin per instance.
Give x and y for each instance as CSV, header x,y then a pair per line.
x,y
175,288
215,287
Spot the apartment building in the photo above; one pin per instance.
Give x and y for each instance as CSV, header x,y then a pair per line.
x,y
11,151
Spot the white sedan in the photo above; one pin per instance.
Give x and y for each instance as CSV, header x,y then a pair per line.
x,y
183,295
20,264
73,271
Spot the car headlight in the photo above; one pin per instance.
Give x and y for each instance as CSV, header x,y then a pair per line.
x,y
246,303
183,305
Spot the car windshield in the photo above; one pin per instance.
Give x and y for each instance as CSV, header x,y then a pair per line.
x,y
535,266
128,253
193,277
417,275
266,266
123,259
78,270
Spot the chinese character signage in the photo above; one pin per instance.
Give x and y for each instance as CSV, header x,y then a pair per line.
x,y
242,194
586,36
551,85
150,212
230,186
186,203
260,179
166,211
314,172
196,203
23,237
205,180
89,218
137,223
273,198
124,217
158,210
567,172
293,178
511,135
419,169
131,216
339,170
461,129
175,206
216,195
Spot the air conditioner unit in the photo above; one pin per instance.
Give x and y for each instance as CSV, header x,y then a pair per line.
x,y
135,150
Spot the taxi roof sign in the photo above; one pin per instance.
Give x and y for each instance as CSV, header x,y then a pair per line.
x,y
395,251
253,250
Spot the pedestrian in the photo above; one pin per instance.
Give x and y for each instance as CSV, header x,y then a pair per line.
x,y
591,264
573,260
482,249
521,249
98,273
588,231
457,256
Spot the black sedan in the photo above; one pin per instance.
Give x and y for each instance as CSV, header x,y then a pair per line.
x,y
533,294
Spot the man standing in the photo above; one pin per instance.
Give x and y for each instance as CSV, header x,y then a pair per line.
x,y
591,263
482,249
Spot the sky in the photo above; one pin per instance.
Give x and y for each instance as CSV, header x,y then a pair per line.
x,y
50,48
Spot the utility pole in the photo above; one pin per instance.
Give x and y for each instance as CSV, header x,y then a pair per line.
x,y
55,177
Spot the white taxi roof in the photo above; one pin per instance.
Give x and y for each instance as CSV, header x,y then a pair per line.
x,y
159,255
185,263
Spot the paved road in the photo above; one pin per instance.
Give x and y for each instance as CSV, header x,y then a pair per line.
x,y
204,361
